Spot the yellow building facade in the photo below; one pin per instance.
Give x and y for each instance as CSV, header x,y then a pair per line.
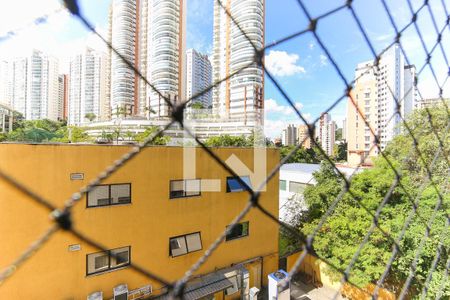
x,y
145,214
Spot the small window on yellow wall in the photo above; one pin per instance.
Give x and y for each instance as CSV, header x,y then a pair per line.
x,y
184,244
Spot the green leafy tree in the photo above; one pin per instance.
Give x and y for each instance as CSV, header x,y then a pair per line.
x,y
340,236
129,135
340,152
90,116
18,120
338,134
197,105
36,131
229,141
72,134
159,140
302,155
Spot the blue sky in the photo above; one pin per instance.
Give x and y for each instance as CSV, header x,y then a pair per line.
x,y
300,65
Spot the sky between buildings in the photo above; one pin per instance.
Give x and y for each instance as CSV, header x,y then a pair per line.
x,y
300,65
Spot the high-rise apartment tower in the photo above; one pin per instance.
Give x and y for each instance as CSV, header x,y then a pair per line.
x,y
242,95
378,93
87,86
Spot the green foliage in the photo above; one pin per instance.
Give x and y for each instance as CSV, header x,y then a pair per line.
x,y
340,236
71,134
18,119
302,155
340,152
197,105
130,136
229,141
36,131
90,116
159,140
338,134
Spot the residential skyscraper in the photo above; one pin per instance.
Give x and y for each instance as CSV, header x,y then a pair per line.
x,y
376,93
166,54
87,86
303,136
241,96
34,86
124,38
289,135
151,35
63,96
5,82
327,133
198,77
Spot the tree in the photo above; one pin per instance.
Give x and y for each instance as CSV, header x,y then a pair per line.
x,y
197,105
340,236
72,134
149,131
302,155
229,141
36,131
90,116
338,135
340,152
18,120
130,135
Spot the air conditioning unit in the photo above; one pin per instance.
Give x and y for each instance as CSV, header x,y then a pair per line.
x,y
95,296
254,291
121,292
277,289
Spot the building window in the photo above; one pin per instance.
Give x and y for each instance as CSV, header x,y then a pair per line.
x,y
109,194
108,260
283,185
184,244
184,188
237,231
296,187
234,185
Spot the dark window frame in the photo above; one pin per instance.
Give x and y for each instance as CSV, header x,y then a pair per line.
x,y
227,239
171,196
243,187
185,240
109,267
110,203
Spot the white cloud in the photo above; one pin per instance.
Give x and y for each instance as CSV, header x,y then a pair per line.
x,y
281,63
274,128
323,60
48,36
271,106
311,45
274,123
19,14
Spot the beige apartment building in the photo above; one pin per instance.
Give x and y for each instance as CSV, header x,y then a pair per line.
x,y
358,134
303,136
384,94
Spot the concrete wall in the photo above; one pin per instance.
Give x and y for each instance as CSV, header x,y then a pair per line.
x,y
314,269
146,224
